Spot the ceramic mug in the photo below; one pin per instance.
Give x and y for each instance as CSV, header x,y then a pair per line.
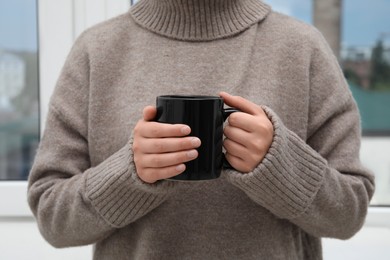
x,y
205,116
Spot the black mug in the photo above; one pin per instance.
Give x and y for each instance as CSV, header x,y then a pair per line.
x,y
205,116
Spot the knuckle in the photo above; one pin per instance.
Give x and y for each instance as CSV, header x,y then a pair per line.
x,y
136,147
255,145
233,119
258,124
253,158
259,145
232,149
227,131
270,128
228,158
138,126
226,143
140,162
136,160
266,127
259,110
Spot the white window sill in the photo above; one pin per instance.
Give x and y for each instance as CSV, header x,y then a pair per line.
x,y
13,199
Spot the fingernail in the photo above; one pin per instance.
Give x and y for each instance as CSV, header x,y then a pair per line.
x,y
186,130
192,154
180,168
195,142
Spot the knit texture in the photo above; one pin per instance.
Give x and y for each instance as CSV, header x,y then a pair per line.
x,y
198,20
84,188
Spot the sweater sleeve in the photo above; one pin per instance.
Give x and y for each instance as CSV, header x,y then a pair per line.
x,y
74,203
318,184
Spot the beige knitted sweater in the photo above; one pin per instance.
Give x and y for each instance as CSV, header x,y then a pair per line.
x,y
84,188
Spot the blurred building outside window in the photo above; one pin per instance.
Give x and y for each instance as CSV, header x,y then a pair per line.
x,y
365,58
19,107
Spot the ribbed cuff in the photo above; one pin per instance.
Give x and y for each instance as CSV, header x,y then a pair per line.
x,y
288,178
117,193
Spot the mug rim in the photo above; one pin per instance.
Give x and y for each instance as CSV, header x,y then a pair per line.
x,y
189,97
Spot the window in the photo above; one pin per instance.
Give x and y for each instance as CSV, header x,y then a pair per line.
x,y
60,23
19,107
365,58
366,61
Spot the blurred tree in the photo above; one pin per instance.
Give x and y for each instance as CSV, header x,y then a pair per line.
x,y
380,68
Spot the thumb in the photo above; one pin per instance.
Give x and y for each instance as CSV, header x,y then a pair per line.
x,y
241,103
149,113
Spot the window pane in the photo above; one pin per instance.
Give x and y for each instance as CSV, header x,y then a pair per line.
x,y
19,107
366,61
300,9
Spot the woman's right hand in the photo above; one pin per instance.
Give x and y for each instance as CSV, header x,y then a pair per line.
x,y
160,150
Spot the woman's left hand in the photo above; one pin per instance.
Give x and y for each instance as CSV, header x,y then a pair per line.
x,y
249,134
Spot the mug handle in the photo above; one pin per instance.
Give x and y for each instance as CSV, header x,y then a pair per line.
x,y
226,113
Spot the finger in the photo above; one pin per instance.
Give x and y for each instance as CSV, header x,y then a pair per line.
x,y
234,148
168,159
244,121
149,113
161,130
237,163
241,103
151,175
238,135
166,145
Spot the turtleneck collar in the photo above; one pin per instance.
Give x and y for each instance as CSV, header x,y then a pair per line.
x,y
198,20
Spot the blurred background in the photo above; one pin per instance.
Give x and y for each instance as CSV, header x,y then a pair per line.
x,y
36,36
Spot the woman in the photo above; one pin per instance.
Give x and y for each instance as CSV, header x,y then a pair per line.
x,y
294,146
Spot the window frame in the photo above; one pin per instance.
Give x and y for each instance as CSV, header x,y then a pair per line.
x,y
57,31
